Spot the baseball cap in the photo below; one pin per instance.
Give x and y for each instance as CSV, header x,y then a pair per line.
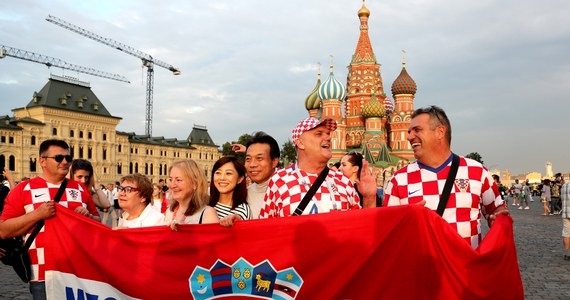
x,y
311,123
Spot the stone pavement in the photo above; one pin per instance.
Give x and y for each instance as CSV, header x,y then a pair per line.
x,y
544,273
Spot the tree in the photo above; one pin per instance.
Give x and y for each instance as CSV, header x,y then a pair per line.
x,y
475,156
288,154
227,147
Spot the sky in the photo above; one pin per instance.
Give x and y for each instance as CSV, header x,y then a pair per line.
x,y
500,69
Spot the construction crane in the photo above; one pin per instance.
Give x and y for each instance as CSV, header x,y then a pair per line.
x,y
147,61
55,62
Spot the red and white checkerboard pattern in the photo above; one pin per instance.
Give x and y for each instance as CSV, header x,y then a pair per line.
x,y
29,195
473,192
310,123
287,188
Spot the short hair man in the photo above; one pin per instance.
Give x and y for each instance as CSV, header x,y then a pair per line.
x,y
312,139
565,196
261,158
32,200
430,136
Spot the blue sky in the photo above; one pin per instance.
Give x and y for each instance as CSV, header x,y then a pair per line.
x,y
499,68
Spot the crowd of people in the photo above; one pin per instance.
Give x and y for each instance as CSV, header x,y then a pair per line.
x,y
226,198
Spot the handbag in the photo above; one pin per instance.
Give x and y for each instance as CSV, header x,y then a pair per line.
x,y
17,254
448,184
309,195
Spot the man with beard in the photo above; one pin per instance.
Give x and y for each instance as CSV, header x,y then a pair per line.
x,y
286,188
474,192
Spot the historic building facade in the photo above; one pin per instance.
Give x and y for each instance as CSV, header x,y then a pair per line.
x,y
370,123
67,109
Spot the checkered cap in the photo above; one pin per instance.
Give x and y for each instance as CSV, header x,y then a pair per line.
x,y
310,123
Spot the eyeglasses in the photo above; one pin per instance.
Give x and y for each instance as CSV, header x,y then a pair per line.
x,y
127,189
433,111
59,158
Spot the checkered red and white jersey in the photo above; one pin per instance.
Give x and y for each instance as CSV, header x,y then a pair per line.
x,y
29,195
473,192
288,186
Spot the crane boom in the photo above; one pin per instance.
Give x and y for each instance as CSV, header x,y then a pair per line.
x,y
56,62
112,43
147,61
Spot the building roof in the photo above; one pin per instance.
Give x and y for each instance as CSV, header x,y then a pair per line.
x,y
69,94
200,136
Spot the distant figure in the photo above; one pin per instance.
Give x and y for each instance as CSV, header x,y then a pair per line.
x,y
565,196
545,197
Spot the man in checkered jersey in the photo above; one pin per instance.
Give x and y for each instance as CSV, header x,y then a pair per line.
x,y
474,191
287,187
32,200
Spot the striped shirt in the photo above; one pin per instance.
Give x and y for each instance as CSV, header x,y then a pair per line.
x,y
241,210
565,195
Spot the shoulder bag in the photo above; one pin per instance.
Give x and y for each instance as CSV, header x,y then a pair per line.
x,y
448,184
17,252
309,195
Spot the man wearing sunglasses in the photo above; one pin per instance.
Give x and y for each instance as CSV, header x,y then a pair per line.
x,y
473,193
33,200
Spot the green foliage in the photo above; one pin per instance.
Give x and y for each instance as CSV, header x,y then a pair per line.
x,y
475,156
227,147
288,154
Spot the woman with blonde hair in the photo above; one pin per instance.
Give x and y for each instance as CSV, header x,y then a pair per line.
x,y
189,195
157,195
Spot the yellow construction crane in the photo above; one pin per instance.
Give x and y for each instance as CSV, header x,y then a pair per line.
x,y
147,61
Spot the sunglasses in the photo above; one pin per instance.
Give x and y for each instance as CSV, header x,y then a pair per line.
x,y
59,158
127,189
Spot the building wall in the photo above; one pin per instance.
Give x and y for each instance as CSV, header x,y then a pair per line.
x,y
94,137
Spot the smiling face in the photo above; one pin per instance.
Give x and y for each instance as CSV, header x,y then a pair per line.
x,y
180,186
424,136
258,162
226,178
316,144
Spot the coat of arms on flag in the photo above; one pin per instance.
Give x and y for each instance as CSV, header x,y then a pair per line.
x,y
242,277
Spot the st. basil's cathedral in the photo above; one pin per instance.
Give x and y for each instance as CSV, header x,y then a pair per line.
x,y
370,123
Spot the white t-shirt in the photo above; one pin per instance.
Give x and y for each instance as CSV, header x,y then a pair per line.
x,y
149,217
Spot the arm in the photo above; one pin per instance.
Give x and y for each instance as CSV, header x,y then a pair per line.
x,y
8,174
238,148
22,224
100,199
210,216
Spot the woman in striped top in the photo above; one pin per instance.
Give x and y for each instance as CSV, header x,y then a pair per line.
x,y
228,189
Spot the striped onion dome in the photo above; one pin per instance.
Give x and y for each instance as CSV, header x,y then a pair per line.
x,y
388,105
404,84
313,101
332,88
373,109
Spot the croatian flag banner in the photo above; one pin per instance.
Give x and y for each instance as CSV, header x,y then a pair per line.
x,y
405,252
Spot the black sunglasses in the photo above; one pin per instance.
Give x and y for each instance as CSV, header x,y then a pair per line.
x,y
59,158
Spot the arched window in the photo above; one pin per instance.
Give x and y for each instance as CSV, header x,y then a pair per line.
x,y
12,163
72,151
119,168
130,168
89,153
136,167
54,131
80,152
33,140
71,133
104,154
146,168
151,172
32,164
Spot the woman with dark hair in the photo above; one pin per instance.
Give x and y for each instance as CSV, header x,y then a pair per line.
x,y
82,170
350,166
228,188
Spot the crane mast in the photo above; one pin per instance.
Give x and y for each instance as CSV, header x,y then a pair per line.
x,y
56,62
147,61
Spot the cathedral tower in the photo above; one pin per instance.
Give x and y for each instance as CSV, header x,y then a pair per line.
x,y
363,79
404,90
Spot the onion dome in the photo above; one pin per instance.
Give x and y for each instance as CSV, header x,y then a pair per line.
x,y
313,101
373,109
404,84
332,88
388,105
363,11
